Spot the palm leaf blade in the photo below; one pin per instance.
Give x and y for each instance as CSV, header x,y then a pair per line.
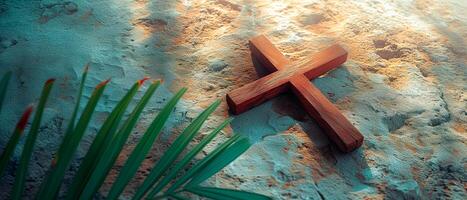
x,y
201,164
51,185
220,161
143,147
110,154
185,161
100,143
175,149
71,124
235,194
21,172
13,141
3,86
177,197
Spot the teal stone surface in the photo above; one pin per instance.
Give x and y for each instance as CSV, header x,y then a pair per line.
x,y
403,86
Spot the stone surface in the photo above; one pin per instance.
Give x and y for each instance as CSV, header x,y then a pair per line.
x,y
403,86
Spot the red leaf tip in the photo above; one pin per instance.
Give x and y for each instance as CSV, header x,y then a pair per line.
x,y
50,81
160,80
103,83
141,82
86,68
24,118
54,161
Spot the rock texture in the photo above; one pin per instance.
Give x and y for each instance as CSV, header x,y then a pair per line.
x,y
404,86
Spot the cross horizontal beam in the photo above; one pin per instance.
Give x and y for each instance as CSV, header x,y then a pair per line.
x,y
255,93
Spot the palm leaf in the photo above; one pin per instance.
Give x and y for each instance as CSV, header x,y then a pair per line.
x,y
220,161
109,142
175,149
71,124
60,163
202,163
21,172
13,141
3,86
220,193
101,142
177,197
187,158
118,141
143,147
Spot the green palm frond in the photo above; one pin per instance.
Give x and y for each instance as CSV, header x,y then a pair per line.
x,y
68,147
169,178
143,147
100,143
71,124
187,158
10,147
173,152
221,193
202,163
110,154
178,197
3,86
220,161
21,173
14,139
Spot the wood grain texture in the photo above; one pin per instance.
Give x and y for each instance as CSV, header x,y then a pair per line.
x,y
267,87
326,114
295,76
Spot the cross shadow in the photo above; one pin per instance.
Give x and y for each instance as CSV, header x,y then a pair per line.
x,y
260,70
347,165
336,84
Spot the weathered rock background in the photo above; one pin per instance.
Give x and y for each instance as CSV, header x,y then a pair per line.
x,y
404,86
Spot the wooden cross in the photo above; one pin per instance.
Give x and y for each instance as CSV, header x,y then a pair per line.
x,y
286,75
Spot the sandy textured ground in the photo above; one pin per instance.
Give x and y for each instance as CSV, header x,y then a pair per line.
x,y
404,85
